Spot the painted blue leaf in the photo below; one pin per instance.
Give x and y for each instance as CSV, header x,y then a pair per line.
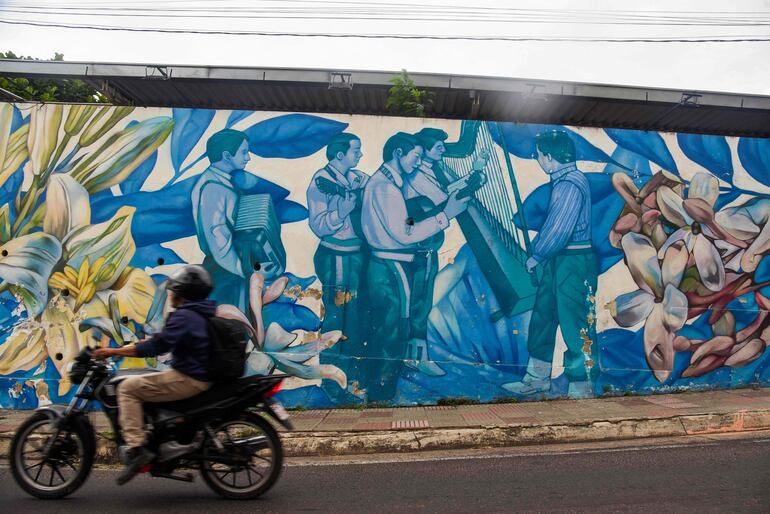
x,y
754,154
520,141
605,208
645,143
148,256
302,282
725,197
10,188
134,182
292,135
294,281
639,166
18,119
101,195
711,152
291,316
159,278
248,183
166,214
236,116
189,126
289,211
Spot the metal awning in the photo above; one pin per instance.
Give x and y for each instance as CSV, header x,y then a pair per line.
x,y
455,96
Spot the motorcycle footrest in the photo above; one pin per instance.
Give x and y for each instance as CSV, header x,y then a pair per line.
x,y
184,477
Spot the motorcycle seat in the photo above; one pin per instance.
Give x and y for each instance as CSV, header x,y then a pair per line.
x,y
214,394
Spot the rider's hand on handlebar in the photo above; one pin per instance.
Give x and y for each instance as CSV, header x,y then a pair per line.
x,y
103,353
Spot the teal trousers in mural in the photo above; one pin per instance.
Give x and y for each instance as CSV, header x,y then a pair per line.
x,y
424,270
344,300
564,300
390,302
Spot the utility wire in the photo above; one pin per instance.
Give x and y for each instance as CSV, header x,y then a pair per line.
x,y
163,14
663,39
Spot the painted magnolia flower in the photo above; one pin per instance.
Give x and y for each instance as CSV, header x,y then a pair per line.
x,y
749,224
640,213
695,216
658,299
275,347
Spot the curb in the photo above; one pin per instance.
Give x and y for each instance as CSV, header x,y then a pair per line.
x,y
306,444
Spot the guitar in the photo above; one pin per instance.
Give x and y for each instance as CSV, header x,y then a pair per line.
x,y
421,208
330,187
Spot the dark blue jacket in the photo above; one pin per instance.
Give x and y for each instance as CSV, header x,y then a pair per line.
x,y
186,336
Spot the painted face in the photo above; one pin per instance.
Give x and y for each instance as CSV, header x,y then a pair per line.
x,y
241,156
411,160
546,161
437,152
353,155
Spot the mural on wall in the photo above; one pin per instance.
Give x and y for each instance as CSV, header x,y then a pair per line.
x,y
387,260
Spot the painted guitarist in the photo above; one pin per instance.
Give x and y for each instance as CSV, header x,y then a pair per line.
x,y
334,205
426,191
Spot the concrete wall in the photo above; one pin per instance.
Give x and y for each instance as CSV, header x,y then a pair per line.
x,y
611,261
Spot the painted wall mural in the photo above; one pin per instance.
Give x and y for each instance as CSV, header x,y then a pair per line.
x,y
388,260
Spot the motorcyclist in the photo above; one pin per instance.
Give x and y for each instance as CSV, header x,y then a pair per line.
x,y
186,336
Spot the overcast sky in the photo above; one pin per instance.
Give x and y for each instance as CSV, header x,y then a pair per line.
x,y
742,67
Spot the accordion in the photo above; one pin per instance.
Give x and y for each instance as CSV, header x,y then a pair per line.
x,y
257,236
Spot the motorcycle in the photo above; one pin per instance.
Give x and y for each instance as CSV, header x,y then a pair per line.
x,y
222,432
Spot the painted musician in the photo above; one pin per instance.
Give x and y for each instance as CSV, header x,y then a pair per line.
x,y
334,205
563,251
425,190
391,234
214,203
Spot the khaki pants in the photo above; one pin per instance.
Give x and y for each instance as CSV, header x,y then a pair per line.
x,y
166,386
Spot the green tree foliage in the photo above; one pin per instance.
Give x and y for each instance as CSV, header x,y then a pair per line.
x,y
47,90
405,98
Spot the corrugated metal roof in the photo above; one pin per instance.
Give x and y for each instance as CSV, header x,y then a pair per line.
x,y
455,96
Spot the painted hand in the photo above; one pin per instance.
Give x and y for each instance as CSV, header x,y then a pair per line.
x,y
531,264
481,161
455,206
347,205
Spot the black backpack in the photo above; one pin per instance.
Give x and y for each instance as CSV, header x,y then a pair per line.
x,y
227,353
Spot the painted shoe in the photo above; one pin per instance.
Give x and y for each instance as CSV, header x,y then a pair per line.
x,y
529,385
418,360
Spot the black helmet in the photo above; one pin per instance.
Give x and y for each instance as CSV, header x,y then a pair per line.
x,y
191,282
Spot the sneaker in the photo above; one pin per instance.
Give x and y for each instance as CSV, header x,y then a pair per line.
x,y
136,459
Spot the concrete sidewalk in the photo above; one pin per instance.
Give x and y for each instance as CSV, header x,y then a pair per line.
x,y
360,431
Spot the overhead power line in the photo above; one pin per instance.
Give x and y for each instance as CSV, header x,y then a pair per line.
x,y
662,39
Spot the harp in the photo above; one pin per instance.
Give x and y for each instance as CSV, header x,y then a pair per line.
x,y
500,245
257,236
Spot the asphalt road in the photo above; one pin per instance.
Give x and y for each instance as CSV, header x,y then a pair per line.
x,y
719,474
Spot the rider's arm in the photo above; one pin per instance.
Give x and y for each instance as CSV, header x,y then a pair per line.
x,y
173,333
124,351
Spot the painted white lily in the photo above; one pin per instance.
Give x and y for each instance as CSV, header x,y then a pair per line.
x,y
93,263
696,235
658,299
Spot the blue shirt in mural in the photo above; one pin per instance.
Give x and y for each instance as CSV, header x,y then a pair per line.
x,y
384,216
569,214
214,201
323,209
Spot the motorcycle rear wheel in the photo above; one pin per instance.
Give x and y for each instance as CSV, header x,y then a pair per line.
x,y
252,439
64,469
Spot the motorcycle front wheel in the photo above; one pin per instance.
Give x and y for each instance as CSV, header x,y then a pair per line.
x,y
245,460
51,463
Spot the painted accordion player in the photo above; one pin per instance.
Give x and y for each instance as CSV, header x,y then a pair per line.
x,y
257,236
